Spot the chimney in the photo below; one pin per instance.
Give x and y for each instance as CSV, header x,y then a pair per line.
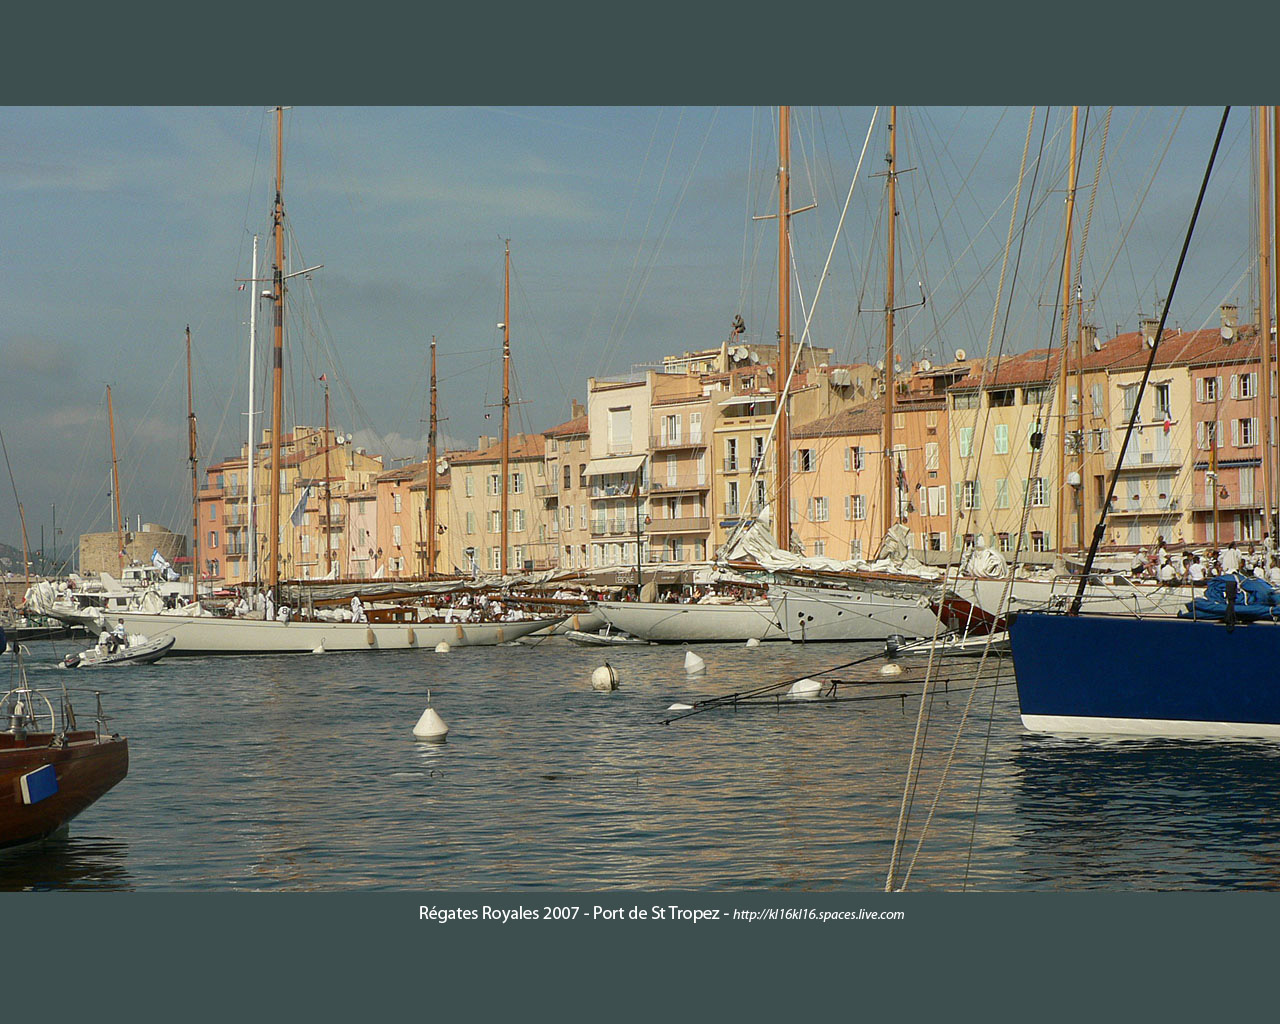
x,y
1228,313
576,409
1089,338
1149,328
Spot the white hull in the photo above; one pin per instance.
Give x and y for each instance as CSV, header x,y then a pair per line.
x,y
1121,597
1069,725
817,613
207,634
693,623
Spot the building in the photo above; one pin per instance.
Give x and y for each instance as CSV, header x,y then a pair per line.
x,y
100,552
565,495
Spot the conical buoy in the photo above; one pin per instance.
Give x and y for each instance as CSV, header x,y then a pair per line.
x,y
805,688
891,670
604,678
443,647
680,707
318,648
430,727
693,664
753,641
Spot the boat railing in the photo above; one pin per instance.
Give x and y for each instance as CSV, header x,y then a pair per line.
x,y
1146,598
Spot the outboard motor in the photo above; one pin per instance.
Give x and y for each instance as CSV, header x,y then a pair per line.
x,y
893,644
72,660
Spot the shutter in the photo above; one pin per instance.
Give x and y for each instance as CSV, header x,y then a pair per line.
x,y
1218,386
1253,429
809,510
1200,435
977,494
795,461
1235,385
848,506
1217,433
848,459
942,505
959,495
1235,432
1199,389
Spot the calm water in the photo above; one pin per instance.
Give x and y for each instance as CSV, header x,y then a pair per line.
x,y
301,773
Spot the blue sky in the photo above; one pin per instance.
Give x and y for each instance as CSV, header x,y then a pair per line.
x,y
631,232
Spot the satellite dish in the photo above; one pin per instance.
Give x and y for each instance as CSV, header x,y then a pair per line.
x,y
442,466
1228,332
753,357
1151,342
925,365
880,365
1097,345
959,355
769,370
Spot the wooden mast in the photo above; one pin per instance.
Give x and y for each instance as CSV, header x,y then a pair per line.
x,y
328,490
115,481
504,484
889,484
1273,453
782,527
1080,491
277,366
1061,502
195,479
1264,310
432,459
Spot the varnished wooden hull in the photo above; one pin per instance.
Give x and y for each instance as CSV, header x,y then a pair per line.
x,y
86,768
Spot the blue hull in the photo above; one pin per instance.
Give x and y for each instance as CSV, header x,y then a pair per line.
x,y
1165,677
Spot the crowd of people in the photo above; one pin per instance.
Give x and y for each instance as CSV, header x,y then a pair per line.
x,y
1194,568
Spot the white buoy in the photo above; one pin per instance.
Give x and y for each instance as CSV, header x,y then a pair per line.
x,y
318,648
443,647
680,707
693,664
430,726
805,688
753,641
604,678
891,670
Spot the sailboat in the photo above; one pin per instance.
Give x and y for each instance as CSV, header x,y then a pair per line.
x,y
1186,677
196,631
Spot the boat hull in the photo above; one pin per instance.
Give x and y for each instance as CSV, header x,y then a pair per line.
x,y
1118,598
1161,677
85,768
693,623
815,613
207,634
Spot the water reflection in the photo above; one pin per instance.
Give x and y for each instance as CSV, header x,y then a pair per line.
x,y
1157,814
69,863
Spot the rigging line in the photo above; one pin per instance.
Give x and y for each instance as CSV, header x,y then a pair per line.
x,y
537,333
1093,195
1124,445
913,767
804,334
982,776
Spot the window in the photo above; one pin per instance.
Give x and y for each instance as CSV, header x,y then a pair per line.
x,y
213,512
517,483
1038,492
1248,385
568,478
970,495
1208,434
582,445
731,455
492,482
1130,395
1096,398
395,535
495,560
552,446
671,429
1244,432
568,517
1035,396
306,543
855,549
213,540
1002,439
999,399
517,556
1208,389
1039,541
1002,493
1162,408
761,497
899,421
854,458
1099,441
471,522
495,520
1003,542
965,400
937,498
931,420
966,442
469,485
805,460
818,509
695,427
931,456
620,430
857,506
517,520
582,474
819,547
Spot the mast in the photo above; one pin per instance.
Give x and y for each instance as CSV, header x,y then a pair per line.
x,y
432,458
328,492
115,481
1060,546
277,365
783,525
195,480
504,484
252,572
1264,312
22,518
889,480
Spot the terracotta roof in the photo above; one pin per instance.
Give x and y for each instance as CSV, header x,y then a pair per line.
x,y
407,472
570,427
865,419
523,446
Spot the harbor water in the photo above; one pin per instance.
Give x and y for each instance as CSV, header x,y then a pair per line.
x,y
301,773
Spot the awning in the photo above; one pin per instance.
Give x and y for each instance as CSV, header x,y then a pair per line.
x,y
619,464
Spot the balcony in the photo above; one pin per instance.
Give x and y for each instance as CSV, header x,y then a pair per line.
x,y
1231,503
731,508
619,448
614,490
616,527
694,524
1149,507
667,442
1135,460
544,490
682,482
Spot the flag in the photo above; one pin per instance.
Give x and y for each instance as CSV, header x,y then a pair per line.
x,y
240,287
1168,423
300,509
324,376
902,477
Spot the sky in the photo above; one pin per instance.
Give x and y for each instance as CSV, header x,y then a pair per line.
x,y
632,234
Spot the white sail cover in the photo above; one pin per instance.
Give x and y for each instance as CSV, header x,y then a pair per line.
x,y
756,543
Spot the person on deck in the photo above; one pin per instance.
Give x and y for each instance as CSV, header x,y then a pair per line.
x,y
1195,572
1229,560
357,610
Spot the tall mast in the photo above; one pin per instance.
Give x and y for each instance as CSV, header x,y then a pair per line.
x,y
277,365
1061,501
1264,310
889,480
115,481
252,573
432,459
328,491
783,524
1273,452
195,479
504,484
